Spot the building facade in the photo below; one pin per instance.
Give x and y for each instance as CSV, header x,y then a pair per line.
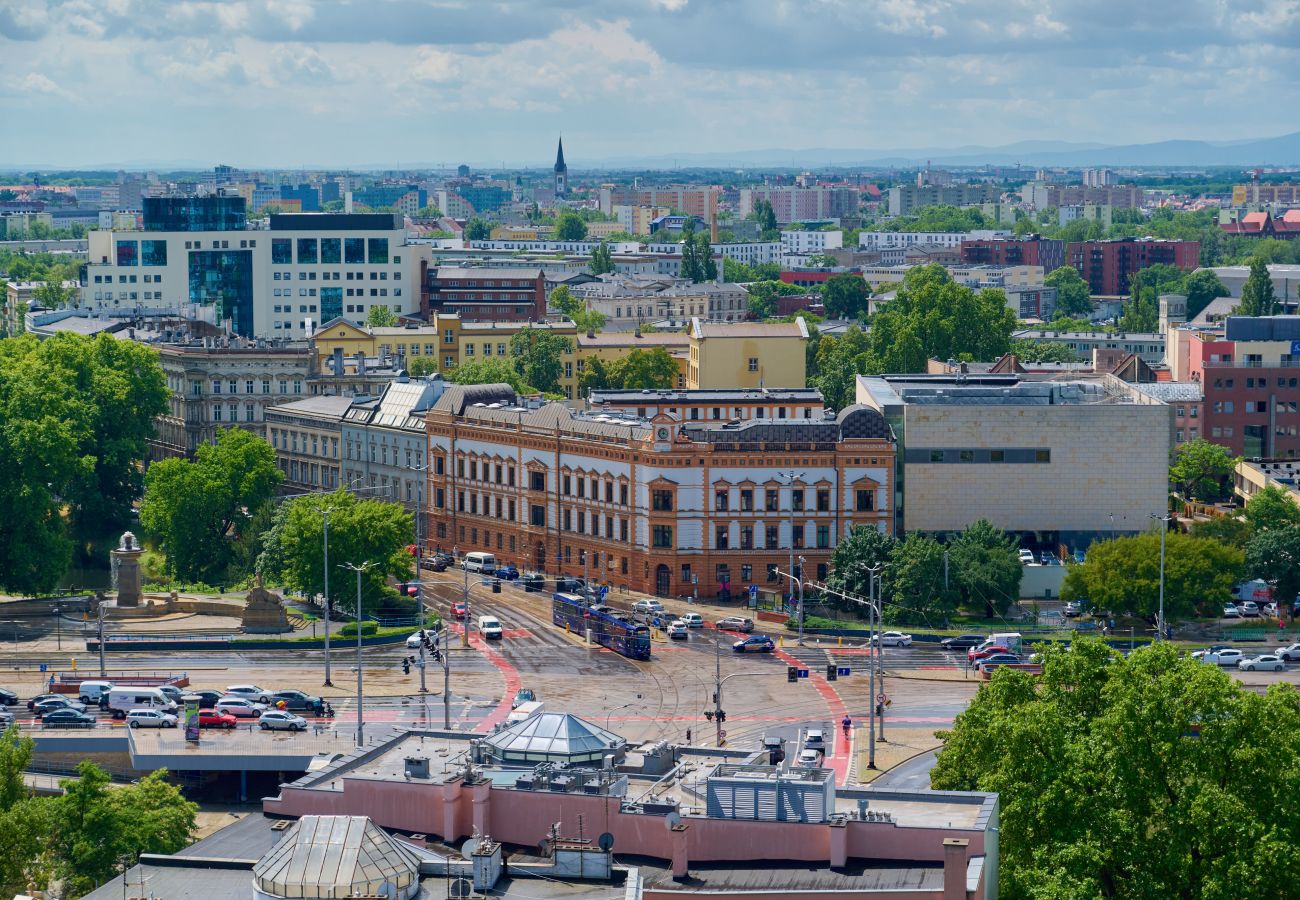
x,y
802,204
1031,251
486,294
800,243
1150,346
652,504
713,408
903,199
306,435
1108,265
693,201
747,355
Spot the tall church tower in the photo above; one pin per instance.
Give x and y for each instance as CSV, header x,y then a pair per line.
x,y
561,171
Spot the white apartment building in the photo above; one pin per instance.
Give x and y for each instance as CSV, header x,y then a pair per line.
x,y
802,243
889,240
976,276
281,282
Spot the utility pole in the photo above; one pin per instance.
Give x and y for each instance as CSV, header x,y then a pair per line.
x,y
446,678
717,691
792,476
419,599
361,735
102,671
464,634
1160,614
58,624
871,663
799,581
880,651
328,682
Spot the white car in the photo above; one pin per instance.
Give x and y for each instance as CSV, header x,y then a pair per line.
x,y
815,739
1230,611
1027,558
693,620
251,692
1290,653
279,720
240,707
677,630
1249,609
1270,610
893,639
1266,662
1229,656
809,759
150,718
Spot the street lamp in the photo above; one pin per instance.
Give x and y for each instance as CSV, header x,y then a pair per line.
x,y
361,739
792,476
1160,614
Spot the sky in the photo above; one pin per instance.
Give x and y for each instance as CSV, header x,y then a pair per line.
x,y
289,83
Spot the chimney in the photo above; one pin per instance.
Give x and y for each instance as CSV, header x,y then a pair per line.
x,y
361,362
954,868
336,363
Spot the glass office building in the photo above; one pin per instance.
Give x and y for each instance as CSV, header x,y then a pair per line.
x,y
195,214
224,279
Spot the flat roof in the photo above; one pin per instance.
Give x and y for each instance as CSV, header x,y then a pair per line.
x,y
894,391
739,395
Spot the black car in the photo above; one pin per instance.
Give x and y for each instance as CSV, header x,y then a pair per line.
x,y
207,699
41,698
67,718
434,563
962,642
7,697
297,700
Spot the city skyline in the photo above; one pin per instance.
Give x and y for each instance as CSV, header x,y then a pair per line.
x,y
289,84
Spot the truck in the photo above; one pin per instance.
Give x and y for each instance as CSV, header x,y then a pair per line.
x,y
524,710
1012,640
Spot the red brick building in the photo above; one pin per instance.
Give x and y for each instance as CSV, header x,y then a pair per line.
x,y
1027,251
1108,265
483,294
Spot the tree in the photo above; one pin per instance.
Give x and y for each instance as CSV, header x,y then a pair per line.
x,y
652,369
763,294
1201,288
862,548
421,365
428,212
838,362
764,215
1257,295
1274,555
1231,530
1202,470
490,371
570,227
536,353
1031,351
1116,776
1271,507
736,272
821,261
846,296
53,295
985,566
477,230
597,376
914,591
1123,575
381,317
933,317
1072,295
195,509
361,531
602,259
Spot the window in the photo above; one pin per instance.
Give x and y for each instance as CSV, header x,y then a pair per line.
x,y
798,537
722,537
661,501
1043,456
753,364
153,253
354,251
746,500
746,537
966,456
823,500
771,500
128,253
330,251
622,494
537,481
746,573
822,570
771,538
720,498
537,514
823,537
997,456
865,500
378,251
307,251
796,501
663,536
936,456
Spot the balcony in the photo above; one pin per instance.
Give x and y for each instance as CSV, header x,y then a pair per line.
x,y
1253,364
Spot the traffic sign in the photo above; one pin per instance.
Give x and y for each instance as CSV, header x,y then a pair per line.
x,y
753,592
722,733
880,698
803,673
844,671
44,667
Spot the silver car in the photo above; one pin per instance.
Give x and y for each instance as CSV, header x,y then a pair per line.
x,y
278,720
1266,662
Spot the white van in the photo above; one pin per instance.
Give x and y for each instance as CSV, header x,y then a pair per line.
x,y
524,710
1009,639
480,562
121,700
489,627
90,691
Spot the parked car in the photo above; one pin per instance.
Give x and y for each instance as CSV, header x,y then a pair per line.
x,y
677,630
1229,656
758,643
508,572
7,697
68,718
172,692
1290,653
524,695
1073,609
808,759
648,607
31,704
735,623
150,718
434,563
299,700
53,703
240,707
459,610
975,654
415,640
1265,662
6,718
693,620
89,692
1230,611
210,718
278,720
1027,558
814,739
892,639
1249,609
962,642
994,660
251,692
207,699
1269,610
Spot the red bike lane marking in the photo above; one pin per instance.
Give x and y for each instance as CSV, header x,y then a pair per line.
x,y
839,760
513,683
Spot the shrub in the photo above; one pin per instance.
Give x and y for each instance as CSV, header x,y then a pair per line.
x,y
368,629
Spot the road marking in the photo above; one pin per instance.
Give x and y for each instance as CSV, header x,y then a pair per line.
x,y
839,760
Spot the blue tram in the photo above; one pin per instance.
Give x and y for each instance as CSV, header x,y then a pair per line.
x,y
626,638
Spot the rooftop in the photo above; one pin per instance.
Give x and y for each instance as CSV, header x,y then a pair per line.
x,y
635,339
1173,391
701,329
896,391
329,407
737,395
441,273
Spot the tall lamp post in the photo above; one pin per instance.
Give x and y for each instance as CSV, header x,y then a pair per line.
x,y
1160,613
792,476
361,737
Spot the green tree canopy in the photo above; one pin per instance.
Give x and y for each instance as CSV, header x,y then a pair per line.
x,y
846,296
361,531
421,365
381,317
984,564
602,259
862,548
653,369
477,229
1202,471
1123,575
1201,287
763,294
569,226
196,509
1257,295
1274,555
838,361
1031,351
1232,530
490,371
697,257
914,592
537,356
1271,507
1144,776
1072,295
764,215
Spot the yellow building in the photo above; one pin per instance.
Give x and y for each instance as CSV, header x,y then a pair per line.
x,y
446,339
611,346
599,230
522,233
735,355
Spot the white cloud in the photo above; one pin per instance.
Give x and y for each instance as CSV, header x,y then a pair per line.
x,y
35,82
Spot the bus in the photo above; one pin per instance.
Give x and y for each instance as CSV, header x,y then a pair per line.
x,y
607,629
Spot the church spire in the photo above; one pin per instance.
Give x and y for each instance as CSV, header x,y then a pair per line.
x,y
559,158
561,171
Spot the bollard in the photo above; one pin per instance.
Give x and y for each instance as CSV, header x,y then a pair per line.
x,y
780,640
840,642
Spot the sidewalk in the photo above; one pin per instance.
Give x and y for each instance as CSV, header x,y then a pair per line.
x,y
902,745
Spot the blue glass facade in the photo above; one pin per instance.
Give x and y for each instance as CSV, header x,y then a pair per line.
x,y
331,303
354,250
307,251
153,253
128,253
281,251
330,251
224,279
195,214
378,250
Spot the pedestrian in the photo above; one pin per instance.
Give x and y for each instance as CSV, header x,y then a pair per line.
x,y
846,724
688,735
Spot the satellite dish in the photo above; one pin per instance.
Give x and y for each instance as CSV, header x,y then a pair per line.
x,y
672,820
605,841
461,887
467,849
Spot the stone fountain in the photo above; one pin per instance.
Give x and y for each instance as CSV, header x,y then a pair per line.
x,y
125,562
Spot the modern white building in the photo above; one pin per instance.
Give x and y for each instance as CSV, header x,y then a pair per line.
x,y
801,243
888,240
197,257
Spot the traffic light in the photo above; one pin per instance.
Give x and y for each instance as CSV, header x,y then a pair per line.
x,y
708,714
832,673
791,674
722,715
406,665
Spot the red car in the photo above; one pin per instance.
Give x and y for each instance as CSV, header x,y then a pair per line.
x,y
975,655
210,718
459,610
